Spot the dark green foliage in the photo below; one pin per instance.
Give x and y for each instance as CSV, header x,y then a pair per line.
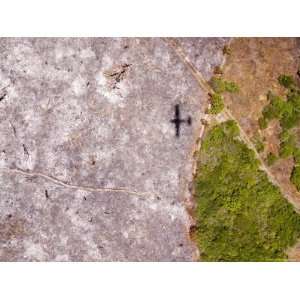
x,y
271,159
230,128
217,135
286,80
290,120
284,135
217,103
287,144
231,87
291,117
258,143
260,147
240,215
295,177
263,123
296,155
275,109
287,111
219,85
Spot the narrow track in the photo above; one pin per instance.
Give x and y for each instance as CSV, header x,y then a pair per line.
x,y
226,114
77,187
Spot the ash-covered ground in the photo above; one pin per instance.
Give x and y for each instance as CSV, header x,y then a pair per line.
x,y
90,168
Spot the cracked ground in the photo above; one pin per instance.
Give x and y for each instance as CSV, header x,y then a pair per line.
x,y
90,168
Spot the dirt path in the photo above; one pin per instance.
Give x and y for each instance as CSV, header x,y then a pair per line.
x,y
227,114
89,162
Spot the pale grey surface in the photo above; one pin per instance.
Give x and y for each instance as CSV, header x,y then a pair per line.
x,y
80,115
204,53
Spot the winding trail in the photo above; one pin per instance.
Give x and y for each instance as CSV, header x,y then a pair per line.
x,y
77,187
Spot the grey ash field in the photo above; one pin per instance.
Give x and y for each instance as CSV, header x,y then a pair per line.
x,y
90,168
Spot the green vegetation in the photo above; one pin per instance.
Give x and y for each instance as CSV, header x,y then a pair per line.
x,y
276,108
258,143
295,177
287,111
292,115
296,156
240,215
220,86
262,122
287,144
271,159
286,80
231,87
217,104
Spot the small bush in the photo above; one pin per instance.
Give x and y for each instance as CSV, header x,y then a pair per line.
x,y
287,145
284,135
296,155
259,145
240,215
286,80
231,87
219,85
289,121
295,177
275,109
217,103
262,123
230,128
271,159
287,111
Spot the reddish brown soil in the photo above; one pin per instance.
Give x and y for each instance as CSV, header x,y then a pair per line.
x,y
255,64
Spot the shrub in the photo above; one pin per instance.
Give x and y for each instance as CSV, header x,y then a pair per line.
x,y
231,87
287,145
275,109
295,177
271,159
286,80
258,143
220,85
217,103
240,215
289,120
230,128
217,84
263,123
284,135
296,156
286,111
291,116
